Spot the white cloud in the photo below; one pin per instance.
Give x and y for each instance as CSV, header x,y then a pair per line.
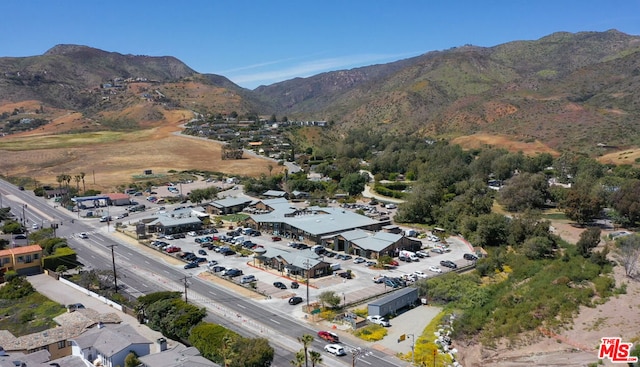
x,y
305,69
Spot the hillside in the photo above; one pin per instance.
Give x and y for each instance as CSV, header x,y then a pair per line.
x,y
563,91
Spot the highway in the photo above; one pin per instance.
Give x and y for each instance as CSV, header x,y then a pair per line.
x,y
141,274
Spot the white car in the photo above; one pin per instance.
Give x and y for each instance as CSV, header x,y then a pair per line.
x,y
83,235
420,274
359,260
335,349
377,319
192,233
435,269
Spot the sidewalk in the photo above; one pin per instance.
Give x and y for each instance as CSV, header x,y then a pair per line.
x,y
63,294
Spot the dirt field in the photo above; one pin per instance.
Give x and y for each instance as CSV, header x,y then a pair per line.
x,y
108,162
481,140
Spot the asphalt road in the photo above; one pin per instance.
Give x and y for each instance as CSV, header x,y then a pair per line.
x,y
142,274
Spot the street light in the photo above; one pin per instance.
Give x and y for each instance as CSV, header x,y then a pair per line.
x,y
413,343
24,218
356,353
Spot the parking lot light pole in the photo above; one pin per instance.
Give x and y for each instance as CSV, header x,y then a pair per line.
x,y
413,344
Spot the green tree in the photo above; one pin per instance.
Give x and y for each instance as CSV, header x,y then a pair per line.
x,y
329,298
315,358
524,191
208,338
306,340
12,226
299,359
628,253
353,183
82,175
174,317
538,247
252,352
581,205
589,239
626,201
131,360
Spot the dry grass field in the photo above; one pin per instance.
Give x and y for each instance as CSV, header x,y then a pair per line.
x,y
111,158
482,140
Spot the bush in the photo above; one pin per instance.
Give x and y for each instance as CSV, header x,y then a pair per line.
x,y
371,333
16,288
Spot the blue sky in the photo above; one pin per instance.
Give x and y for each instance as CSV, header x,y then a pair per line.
x,y
267,41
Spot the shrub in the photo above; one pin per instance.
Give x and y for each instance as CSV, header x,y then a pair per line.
x,y
371,333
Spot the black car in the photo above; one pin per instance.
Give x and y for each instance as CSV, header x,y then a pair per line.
x,y
191,265
233,272
217,268
295,285
202,252
330,254
279,285
346,275
448,264
470,257
295,300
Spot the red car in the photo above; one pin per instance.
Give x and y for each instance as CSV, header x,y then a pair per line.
x,y
172,249
329,336
276,238
394,263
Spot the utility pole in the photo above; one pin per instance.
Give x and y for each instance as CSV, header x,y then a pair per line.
x,y
113,261
186,285
24,218
308,265
413,344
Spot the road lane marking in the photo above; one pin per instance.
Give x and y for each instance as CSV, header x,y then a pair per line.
x,y
241,306
275,321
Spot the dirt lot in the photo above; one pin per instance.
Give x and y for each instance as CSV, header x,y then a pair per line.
x,y
576,346
107,164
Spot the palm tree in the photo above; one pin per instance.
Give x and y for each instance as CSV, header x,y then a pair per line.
x,y
227,350
299,361
77,178
306,340
67,178
315,357
60,178
82,178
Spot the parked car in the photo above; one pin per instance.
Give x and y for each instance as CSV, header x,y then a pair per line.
x,y
329,336
448,264
437,250
295,300
295,285
470,257
212,263
422,254
359,260
276,238
218,269
377,319
371,263
420,274
335,349
248,279
172,249
233,272
202,252
346,275
279,285
391,283
191,265
435,269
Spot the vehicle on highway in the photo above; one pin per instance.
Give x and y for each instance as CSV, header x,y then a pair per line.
x,y
377,319
295,300
83,235
335,349
435,269
35,226
329,336
279,285
191,265
448,264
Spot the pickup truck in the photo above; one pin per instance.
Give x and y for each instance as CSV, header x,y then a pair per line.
x,y
377,319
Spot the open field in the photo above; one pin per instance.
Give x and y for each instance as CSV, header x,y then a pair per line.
x,y
480,140
112,158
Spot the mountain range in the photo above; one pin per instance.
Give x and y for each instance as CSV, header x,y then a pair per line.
x,y
566,90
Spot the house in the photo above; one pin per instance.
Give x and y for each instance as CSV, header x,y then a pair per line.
x,y
170,225
373,245
57,341
55,193
179,356
295,263
227,205
109,345
118,199
26,260
275,194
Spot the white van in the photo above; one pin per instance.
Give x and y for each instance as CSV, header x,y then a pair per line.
x,y
238,240
334,267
